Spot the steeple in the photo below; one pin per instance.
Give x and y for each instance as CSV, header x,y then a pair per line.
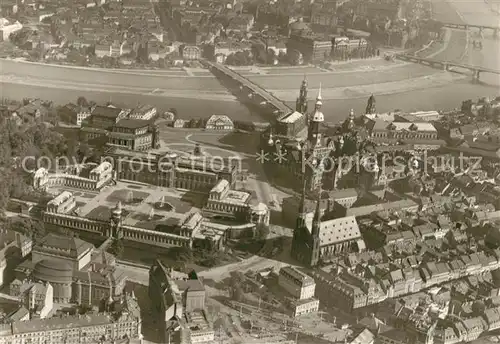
x,y
302,206
301,218
319,99
301,105
317,216
317,120
370,106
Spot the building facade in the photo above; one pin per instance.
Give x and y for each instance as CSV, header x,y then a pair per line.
x,y
180,304
391,132
85,176
75,271
123,128
90,328
314,239
219,122
132,134
172,170
313,48
296,283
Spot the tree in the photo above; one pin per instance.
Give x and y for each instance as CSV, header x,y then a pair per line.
x,y
116,248
193,275
31,228
181,254
235,289
82,101
174,111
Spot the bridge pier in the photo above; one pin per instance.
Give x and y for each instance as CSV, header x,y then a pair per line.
x,y
496,33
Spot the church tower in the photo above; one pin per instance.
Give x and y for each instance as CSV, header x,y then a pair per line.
x,y
370,105
317,120
301,105
116,221
315,232
301,219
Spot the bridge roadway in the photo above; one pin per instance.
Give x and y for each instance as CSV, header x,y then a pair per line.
x,y
278,104
465,26
495,29
445,65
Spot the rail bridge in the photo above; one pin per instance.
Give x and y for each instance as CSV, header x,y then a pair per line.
x,y
256,94
446,65
495,29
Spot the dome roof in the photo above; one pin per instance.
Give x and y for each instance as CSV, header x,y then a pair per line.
x,y
53,271
318,116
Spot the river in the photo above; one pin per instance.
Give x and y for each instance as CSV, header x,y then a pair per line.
x,y
437,97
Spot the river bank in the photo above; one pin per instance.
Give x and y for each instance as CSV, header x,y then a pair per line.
x,y
437,98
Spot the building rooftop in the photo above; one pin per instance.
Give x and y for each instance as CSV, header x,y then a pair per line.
x,y
59,323
106,111
299,275
236,197
220,186
61,198
407,126
336,230
53,271
292,117
65,246
132,123
190,285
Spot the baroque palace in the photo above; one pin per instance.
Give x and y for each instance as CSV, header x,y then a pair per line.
x,y
171,170
64,211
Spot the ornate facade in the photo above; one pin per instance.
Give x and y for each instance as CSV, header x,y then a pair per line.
x,y
171,170
121,127
222,201
86,176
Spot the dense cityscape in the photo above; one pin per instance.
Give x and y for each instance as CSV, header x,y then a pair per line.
x,y
254,172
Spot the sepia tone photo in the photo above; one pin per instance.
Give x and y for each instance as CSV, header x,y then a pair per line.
x,y
249,171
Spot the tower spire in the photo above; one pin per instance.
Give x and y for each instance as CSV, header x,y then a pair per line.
x,y
319,98
302,206
301,104
317,215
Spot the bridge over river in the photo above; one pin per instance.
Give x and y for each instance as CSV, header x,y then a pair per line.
x,y
258,95
447,65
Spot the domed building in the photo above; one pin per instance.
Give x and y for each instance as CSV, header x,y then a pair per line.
x,y
77,271
59,274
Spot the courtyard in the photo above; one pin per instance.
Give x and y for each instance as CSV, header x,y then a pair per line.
x,y
144,206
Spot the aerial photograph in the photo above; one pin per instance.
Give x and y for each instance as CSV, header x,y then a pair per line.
x,y
249,171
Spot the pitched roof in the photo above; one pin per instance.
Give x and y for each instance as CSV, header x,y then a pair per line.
x,y
106,111
336,230
63,246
